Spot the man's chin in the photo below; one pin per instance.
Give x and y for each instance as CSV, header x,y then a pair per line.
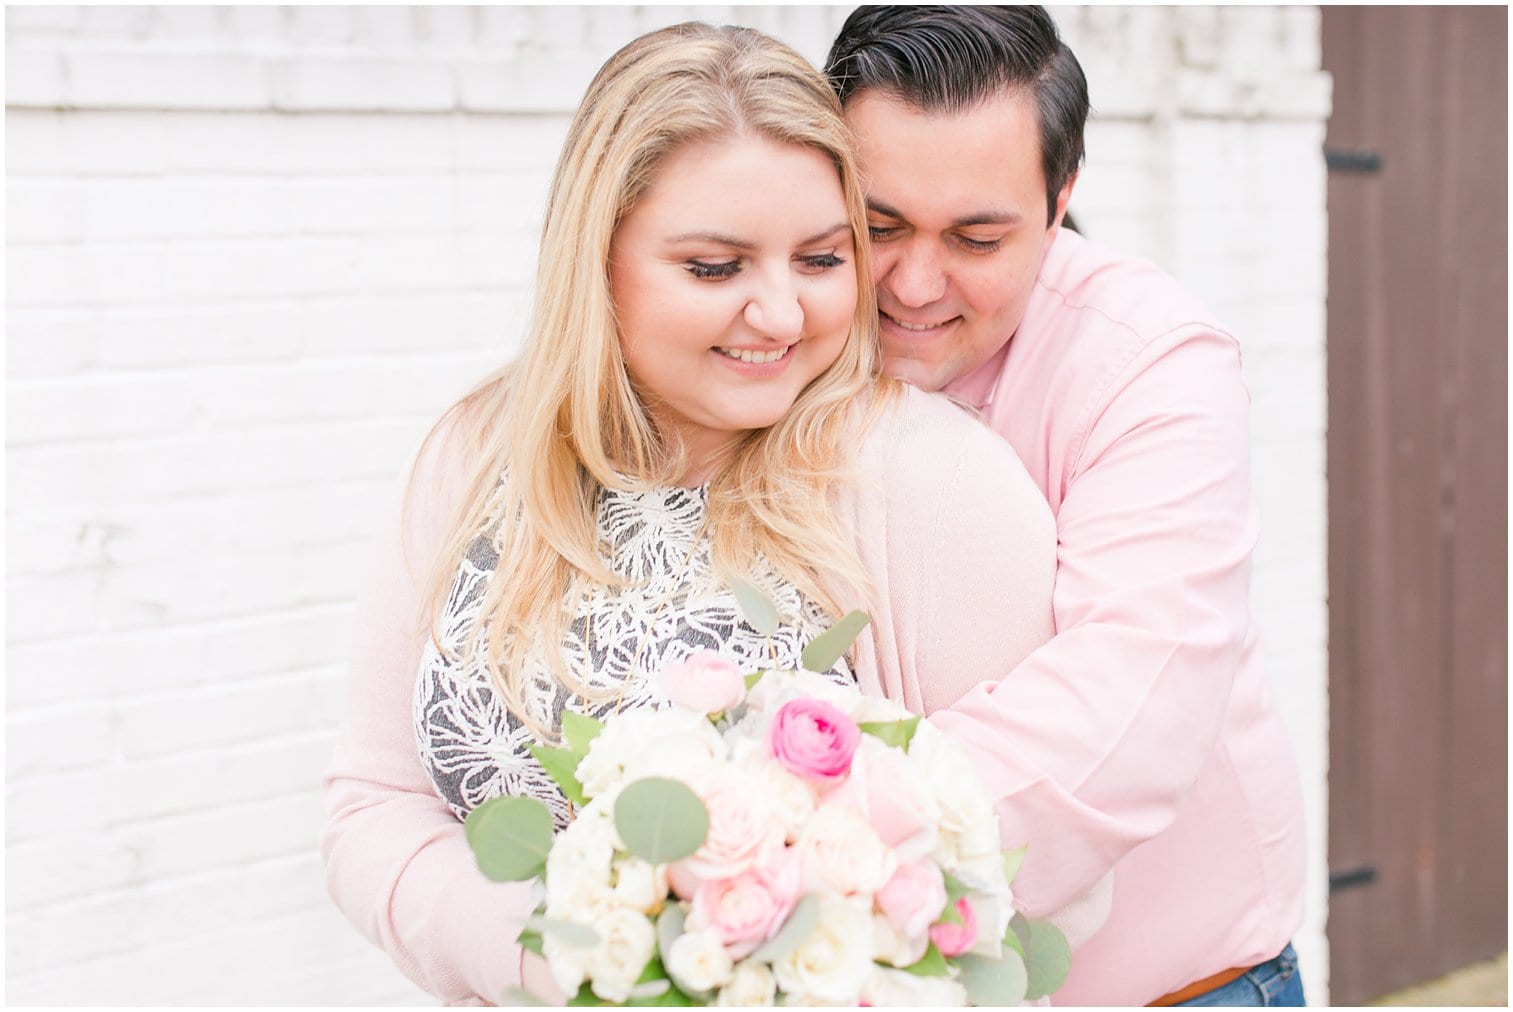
x,y
916,372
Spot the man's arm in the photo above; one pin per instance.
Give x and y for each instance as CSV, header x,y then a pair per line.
x,y
1092,742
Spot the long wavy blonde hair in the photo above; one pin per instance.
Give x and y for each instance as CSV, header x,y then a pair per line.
x,y
565,418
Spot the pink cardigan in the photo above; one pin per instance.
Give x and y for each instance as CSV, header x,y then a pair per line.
x,y
960,546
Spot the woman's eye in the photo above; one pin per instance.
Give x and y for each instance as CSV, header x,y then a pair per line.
x,y
823,261
700,269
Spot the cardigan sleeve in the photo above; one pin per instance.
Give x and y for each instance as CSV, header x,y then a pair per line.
x,y
397,863
961,549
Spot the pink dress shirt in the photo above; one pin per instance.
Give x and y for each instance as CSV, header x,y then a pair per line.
x,y
1143,737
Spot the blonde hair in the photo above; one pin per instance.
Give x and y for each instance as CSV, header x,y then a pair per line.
x,y
565,418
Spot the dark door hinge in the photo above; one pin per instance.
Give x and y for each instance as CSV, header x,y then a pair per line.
x,y
1355,160
1354,878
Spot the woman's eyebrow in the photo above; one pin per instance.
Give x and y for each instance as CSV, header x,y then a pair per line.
x,y
725,239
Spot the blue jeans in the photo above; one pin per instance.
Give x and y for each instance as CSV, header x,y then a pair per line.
x,y
1273,983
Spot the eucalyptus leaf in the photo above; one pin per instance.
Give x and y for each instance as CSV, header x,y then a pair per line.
x,y
510,837
569,933
1011,940
751,680
994,982
831,645
798,926
660,820
669,997
931,964
562,766
1048,958
519,997
760,613
669,927
1012,859
580,731
895,733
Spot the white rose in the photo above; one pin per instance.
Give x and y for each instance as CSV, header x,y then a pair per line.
x,y
640,885
792,798
777,687
698,960
626,735
832,963
751,986
686,747
568,963
626,942
840,852
898,988
891,945
578,868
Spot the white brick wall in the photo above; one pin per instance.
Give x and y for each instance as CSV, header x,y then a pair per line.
x,y
252,251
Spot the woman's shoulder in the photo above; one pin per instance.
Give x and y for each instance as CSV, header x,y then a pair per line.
x,y
925,436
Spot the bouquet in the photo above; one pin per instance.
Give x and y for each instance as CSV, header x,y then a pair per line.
x,y
773,838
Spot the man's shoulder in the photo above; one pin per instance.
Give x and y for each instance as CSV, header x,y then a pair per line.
x,y
1105,297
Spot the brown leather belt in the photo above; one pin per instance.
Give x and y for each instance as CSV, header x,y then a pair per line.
x,y
1198,987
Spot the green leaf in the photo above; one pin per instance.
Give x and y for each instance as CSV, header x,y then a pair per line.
x,y
751,680
562,766
519,997
530,940
831,645
1012,859
955,888
510,837
669,997
994,982
931,964
1047,956
570,933
586,996
579,731
653,970
798,926
950,915
897,733
760,613
660,820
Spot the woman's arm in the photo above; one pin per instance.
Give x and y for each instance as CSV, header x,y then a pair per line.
x,y
397,863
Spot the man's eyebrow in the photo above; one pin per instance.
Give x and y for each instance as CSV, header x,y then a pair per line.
x,y
992,217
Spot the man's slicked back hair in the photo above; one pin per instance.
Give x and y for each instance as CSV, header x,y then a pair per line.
x,y
949,59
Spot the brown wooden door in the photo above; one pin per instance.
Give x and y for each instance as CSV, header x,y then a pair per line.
x,y
1418,605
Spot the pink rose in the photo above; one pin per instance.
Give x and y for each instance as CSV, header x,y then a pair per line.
x,y
744,832
954,939
704,681
745,911
888,788
814,739
913,898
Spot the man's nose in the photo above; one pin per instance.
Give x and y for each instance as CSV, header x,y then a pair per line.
x,y
914,276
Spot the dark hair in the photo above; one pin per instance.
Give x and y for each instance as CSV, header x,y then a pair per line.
x,y
946,59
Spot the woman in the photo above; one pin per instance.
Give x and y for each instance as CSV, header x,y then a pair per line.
x,y
698,396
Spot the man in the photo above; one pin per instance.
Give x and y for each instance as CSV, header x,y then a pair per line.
x,y
1143,738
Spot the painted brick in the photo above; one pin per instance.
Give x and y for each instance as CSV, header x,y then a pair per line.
x,y
41,19
50,343
320,25
310,84
77,736
117,23
66,866
189,22
222,334
167,80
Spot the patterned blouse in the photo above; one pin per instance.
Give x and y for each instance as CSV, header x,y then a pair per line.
x,y
474,749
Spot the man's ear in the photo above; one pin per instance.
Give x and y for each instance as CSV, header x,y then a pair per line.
x,y
1063,199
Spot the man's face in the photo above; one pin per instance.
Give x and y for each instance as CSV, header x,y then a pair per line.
x,y
957,212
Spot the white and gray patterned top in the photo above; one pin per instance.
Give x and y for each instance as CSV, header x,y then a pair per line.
x,y
474,749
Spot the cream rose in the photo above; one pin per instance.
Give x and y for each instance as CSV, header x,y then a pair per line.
x,y
698,960
751,986
627,940
832,963
839,852
898,988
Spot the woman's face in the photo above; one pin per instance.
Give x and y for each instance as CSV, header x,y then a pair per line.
x,y
734,281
